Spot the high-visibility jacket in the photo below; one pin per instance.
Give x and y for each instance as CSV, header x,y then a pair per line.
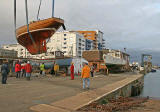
x,y
28,68
42,67
56,67
17,67
23,67
85,72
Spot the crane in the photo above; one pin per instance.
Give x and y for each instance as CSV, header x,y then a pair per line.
x,y
143,56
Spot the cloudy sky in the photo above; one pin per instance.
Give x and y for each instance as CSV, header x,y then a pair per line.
x,y
133,24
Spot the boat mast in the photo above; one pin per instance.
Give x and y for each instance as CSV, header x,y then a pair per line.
x,y
53,8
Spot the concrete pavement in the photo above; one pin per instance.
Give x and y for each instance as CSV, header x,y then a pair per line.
x,y
19,95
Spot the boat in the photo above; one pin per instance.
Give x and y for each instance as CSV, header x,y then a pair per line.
x,y
153,70
40,31
33,35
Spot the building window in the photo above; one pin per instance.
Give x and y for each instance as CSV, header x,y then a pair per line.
x,y
64,47
52,52
65,34
58,54
64,51
65,38
65,43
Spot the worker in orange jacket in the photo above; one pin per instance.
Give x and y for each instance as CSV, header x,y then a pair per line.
x,y
56,69
86,75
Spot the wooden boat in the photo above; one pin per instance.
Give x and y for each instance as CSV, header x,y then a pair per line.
x,y
40,31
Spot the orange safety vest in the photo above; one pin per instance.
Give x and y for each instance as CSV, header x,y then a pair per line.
x,y
85,72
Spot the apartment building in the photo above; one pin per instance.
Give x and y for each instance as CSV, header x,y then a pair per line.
x,y
100,40
21,51
97,38
89,44
70,43
8,53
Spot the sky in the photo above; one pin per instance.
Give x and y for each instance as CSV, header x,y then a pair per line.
x,y
131,24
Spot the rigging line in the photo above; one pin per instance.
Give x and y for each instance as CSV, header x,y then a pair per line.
x,y
15,16
52,8
27,23
48,40
39,9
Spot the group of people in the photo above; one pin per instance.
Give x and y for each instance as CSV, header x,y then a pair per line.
x,y
85,74
54,69
23,70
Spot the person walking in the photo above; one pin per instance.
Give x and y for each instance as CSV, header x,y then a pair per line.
x,y
86,75
52,70
18,69
56,68
4,71
23,72
42,69
72,71
92,71
28,69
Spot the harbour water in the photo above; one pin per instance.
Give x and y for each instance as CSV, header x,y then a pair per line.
x,y
152,85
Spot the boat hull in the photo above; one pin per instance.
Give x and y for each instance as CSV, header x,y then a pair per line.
x,y
40,31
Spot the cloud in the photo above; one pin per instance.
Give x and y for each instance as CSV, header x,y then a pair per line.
x,y
125,23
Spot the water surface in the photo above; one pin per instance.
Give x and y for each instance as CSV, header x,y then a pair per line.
x,y
152,85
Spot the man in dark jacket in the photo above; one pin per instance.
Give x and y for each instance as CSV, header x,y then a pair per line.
x,y
4,71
